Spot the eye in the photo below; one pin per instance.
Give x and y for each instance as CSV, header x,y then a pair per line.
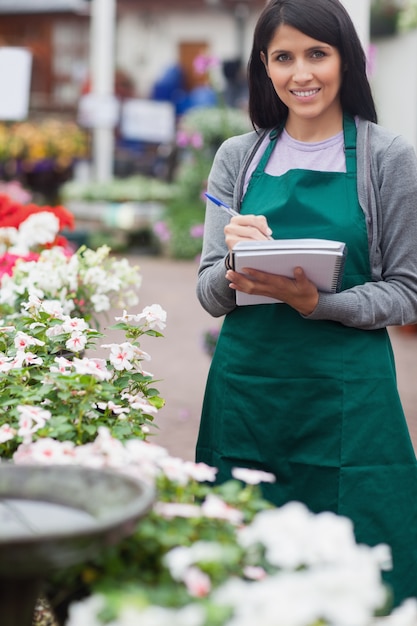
x,y
318,54
282,57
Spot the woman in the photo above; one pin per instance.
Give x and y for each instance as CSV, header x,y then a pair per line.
x,y
306,389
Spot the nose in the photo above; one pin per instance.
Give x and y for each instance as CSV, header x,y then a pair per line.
x,y
302,71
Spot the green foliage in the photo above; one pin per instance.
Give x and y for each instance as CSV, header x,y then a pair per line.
x,y
135,570
132,189
201,131
52,391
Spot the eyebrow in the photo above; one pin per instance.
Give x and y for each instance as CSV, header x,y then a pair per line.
x,y
318,47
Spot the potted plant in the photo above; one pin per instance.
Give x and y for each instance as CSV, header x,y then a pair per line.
x,y
385,16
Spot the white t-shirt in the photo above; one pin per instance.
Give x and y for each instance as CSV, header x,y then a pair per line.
x,y
322,156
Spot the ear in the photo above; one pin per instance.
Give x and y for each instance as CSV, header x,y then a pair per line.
x,y
265,62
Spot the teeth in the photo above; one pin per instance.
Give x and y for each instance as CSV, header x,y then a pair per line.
x,y
305,94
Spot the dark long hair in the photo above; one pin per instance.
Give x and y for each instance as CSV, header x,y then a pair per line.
x,y
324,20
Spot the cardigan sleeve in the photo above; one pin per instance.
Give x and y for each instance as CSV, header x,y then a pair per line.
x,y
389,192
213,289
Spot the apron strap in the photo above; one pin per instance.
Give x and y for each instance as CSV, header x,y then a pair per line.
x,y
349,130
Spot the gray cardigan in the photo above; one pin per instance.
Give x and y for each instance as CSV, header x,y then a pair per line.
x,y
387,192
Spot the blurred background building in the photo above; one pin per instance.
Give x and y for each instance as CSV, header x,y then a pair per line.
x,y
147,53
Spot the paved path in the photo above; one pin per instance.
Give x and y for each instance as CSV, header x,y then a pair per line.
x,y
181,365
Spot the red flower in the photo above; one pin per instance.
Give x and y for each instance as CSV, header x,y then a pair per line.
x,y
8,261
12,214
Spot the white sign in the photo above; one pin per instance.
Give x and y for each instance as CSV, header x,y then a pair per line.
x,y
148,120
41,6
95,111
15,75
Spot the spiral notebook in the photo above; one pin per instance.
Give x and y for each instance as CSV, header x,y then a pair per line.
x,y
322,260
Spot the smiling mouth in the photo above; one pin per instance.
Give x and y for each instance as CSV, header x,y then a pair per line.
x,y
305,93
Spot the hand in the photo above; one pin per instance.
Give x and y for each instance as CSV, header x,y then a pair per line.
x,y
243,227
298,292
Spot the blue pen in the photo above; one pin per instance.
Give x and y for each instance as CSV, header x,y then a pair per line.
x,y
221,204
227,208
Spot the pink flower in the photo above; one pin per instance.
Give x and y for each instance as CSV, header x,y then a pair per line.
x,y
6,433
197,231
197,582
197,141
183,139
204,62
162,231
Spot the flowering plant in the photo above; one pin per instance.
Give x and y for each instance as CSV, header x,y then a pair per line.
x,y
50,388
85,283
27,228
210,338
28,143
218,556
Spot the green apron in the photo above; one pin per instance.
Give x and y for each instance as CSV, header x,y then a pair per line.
x,y
316,402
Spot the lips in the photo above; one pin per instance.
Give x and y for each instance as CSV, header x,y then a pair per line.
x,y
307,93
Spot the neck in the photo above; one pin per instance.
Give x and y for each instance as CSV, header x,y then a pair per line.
x,y
313,130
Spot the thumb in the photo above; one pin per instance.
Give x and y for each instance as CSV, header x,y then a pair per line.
x,y
299,274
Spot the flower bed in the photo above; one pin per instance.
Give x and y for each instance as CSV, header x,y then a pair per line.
x,y
205,555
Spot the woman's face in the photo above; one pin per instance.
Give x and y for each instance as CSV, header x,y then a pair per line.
x,y
306,75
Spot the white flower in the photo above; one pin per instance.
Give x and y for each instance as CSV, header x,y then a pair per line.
x,y
6,433
253,572
295,537
54,331
95,367
214,507
8,237
23,340
77,342
121,355
154,316
46,450
180,559
197,582
63,365
86,613
201,472
6,363
191,615
141,403
38,415
52,307
38,228
177,509
29,358
101,302
117,409
335,595
126,317
31,419
174,469
143,450
252,476
72,324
